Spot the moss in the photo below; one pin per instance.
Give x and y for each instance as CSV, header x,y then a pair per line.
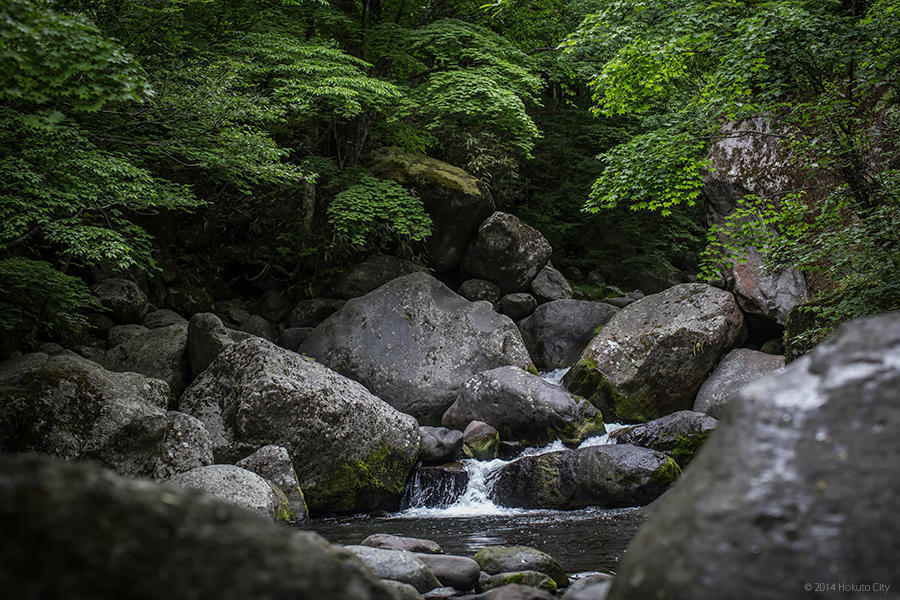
x,y
530,578
685,446
575,433
283,512
362,484
483,448
407,168
591,292
666,473
532,369
615,405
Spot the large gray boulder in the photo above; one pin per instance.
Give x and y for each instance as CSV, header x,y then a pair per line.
x,y
798,486
274,464
507,252
371,273
399,542
351,451
77,531
206,338
439,444
397,565
517,305
70,407
679,434
557,332
607,476
414,342
187,446
506,559
549,285
736,369
160,353
123,299
239,487
651,358
525,408
480,289
458,572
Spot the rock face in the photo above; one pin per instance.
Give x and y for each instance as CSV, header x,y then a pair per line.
x,y
160,353
549,285
187,446
440,444
507,252
738,368
607,476
414,342
794,486
397,565
274,463
455,200
207,337
651,358
103,536
239,487
124,299
523,407
370,274
557,332
72,408
351,451
679,435
505,559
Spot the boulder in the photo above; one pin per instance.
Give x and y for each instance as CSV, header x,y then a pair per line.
x,y
274,305
163,317
456,201
311,312
514,591
207,337
796,487
573,273
606,476
396,565
549,285
679,435
274,464
435,487
458,572
258,326
529,578
293,337
439,444
504,559
123,299
371,273
119,334
506,251
400,590
187,445
233,311
160,353
481,441
78,531
188,299
399,542
525,408
70,407
738,368
350,450
771,295
480,289
414,342
558,331
239,487
517,305
650,359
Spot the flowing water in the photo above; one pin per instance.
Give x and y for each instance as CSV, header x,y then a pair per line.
x,y
586,540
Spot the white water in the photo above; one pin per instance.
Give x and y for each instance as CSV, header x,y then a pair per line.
x,y
476,499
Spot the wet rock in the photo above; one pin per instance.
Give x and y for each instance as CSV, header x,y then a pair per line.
x,y
480,441
414,342
458,572
480,289
523,407
105,536
397,565
550,285
792,488
187,445
515,591
399,542
310,313
557,332
206,339
350,450
530,578
257,326
239,487
738,368
124,300
439,444
503,559
595,587
679,435
163,317
507,252
608,476
436,487
70,407
650,359
518,305
370,274
274,464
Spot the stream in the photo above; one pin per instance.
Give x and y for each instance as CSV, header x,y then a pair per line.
x,y
584,541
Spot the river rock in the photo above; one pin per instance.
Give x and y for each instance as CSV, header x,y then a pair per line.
x,y
160,353
187,445
557,332
550,285
274,464
163,317
350,450
397,565
400,590
650,359
124,300
371,273
595,587
508,252
523,407
607,476
258,326
481,441
414,342
529,578
206,339
239,487
103,536
311,312
456,201
738,368
514,591
439,444
503,559
119,334
70,407
679,435
436,487
233,311
795,488
480,289
399,542
517,305
458,572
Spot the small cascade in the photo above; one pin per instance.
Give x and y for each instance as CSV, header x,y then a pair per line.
x,y
435,487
